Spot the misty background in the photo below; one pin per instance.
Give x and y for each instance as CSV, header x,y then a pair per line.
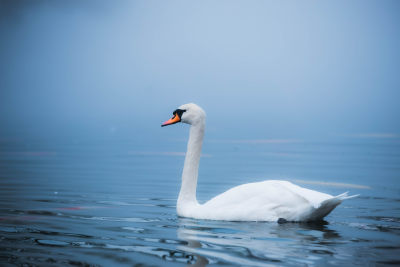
x,y
260,69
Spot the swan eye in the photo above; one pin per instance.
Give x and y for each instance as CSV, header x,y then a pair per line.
x,y
179,112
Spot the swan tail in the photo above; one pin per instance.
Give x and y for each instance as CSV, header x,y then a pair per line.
x,y
327,206
345,196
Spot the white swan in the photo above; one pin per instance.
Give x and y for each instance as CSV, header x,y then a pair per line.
x,y
270,200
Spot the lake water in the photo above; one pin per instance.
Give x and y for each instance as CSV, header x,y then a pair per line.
x,y
112,203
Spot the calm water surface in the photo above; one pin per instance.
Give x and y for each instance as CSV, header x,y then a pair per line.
x,y
112,203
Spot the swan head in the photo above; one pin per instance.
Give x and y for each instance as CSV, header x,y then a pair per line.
x,y
187,113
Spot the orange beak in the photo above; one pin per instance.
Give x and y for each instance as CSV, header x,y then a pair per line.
x,y
173,120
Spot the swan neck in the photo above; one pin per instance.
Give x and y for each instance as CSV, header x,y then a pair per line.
x,y
191,167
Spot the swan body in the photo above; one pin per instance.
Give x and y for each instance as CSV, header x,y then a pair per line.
x,y
261,201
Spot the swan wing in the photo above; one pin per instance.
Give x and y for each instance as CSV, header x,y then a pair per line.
x,y
263,201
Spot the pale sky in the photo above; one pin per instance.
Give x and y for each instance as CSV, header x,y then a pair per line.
x,y
260,69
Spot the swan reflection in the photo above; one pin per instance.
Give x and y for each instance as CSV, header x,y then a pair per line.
x,y
184,233
256,244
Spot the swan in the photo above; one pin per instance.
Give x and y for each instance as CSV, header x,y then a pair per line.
x,y
271,200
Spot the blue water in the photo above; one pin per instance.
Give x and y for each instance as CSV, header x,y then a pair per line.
x,y
112,203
